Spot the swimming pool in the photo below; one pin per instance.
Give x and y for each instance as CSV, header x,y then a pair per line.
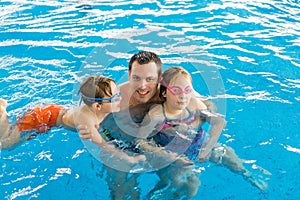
x,y
244,55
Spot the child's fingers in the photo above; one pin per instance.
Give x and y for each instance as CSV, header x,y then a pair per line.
x,y
83,130
85,136
82,127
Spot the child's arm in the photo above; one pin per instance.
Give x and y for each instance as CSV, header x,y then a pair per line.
x,y
217,125
210,105
118,157
143,129
156,155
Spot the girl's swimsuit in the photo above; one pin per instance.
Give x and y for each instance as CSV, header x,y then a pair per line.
x,y
188,142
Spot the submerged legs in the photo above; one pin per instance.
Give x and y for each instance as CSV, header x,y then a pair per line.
x,y
177,181
122,185
226,156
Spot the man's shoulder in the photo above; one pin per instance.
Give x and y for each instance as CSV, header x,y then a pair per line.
x,y
124,88
124,85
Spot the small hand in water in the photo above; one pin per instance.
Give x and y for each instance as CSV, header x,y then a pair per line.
x,y
184,161
85,133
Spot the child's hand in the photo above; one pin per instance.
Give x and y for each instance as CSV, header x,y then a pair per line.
x,y
84,132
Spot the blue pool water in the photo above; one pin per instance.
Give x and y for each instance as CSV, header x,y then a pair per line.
x,y
243,55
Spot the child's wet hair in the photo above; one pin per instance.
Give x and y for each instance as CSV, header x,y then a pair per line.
x,y
95,87
168,75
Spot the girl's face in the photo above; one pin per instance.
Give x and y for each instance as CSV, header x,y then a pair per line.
x,y
179,92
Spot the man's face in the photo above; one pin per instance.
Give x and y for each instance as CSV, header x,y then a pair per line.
x,y
143,81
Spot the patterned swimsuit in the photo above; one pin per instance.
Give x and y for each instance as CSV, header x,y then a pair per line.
x,y
188,141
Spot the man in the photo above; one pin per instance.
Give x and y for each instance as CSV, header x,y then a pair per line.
x,y
143,74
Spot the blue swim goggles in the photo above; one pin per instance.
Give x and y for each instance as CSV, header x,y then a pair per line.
x,y
114,98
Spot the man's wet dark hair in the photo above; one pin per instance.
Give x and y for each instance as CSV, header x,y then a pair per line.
x,y
145,57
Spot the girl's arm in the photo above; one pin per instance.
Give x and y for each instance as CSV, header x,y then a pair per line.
x,y
145,128
209,104
158,157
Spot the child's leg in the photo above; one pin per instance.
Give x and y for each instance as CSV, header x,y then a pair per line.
x,y
178,180
8,135
4,126
12,139
225,155
122,185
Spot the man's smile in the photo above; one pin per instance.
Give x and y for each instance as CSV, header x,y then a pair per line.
x,y
142,92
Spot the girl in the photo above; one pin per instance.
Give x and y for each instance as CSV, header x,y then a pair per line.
x,y
175,132
180,111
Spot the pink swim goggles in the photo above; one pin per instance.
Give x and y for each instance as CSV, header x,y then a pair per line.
x,y
175,90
